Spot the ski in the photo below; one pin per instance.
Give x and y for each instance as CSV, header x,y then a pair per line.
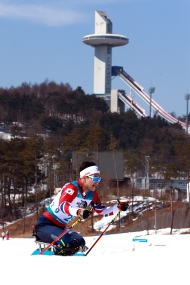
x,y
45,249
49,252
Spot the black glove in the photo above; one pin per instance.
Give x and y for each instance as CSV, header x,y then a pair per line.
x,y
84,214
123,206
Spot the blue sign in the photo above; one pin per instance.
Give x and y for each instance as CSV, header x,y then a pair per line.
x,y
140,239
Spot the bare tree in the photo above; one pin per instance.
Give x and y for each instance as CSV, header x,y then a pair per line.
x,y
112,147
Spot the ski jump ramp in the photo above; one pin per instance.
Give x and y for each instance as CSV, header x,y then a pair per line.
x,y
118,71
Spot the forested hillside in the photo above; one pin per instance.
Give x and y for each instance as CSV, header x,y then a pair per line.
x,y
50,121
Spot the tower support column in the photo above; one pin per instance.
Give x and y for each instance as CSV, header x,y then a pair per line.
x,y
102,69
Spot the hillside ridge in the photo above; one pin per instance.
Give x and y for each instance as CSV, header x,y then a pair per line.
x,y
131,223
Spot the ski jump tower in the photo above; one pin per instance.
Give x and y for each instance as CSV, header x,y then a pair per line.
x,y
103,41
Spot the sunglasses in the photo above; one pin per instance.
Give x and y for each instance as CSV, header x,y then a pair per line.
x,y
95,178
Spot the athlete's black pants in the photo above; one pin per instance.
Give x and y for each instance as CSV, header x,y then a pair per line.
x,y
47,232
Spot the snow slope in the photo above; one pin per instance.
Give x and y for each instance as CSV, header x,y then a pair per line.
x,y
115,259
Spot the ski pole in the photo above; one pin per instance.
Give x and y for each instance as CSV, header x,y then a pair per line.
x,y
104,232
60,236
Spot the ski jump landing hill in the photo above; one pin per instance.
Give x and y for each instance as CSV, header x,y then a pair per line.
x,y
126,99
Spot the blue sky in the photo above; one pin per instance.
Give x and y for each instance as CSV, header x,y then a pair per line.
x,y
42,39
